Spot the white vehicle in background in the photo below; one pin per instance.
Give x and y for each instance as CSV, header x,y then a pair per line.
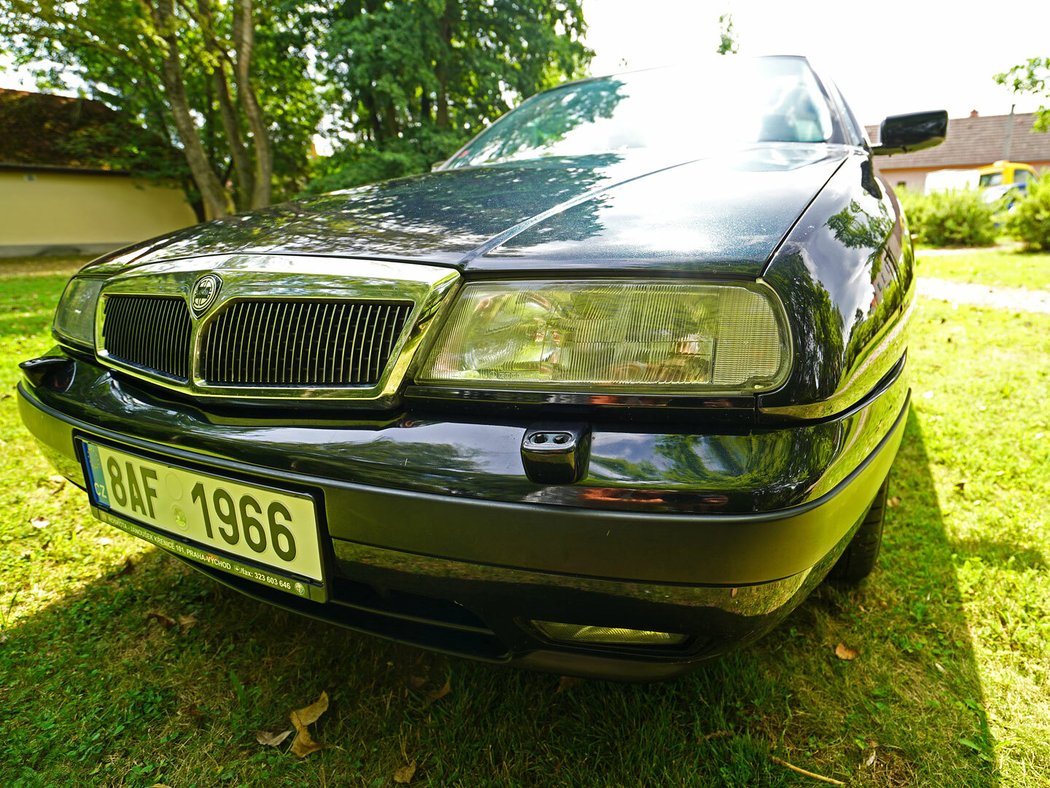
x,y
946,180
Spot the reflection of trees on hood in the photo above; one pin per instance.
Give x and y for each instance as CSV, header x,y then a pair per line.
x,y
855,228
771,468
456,207
451,211
819,340
547,119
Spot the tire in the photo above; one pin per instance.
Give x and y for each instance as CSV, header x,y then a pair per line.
x,y
861,554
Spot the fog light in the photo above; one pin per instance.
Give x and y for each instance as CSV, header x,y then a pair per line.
x,y
613,636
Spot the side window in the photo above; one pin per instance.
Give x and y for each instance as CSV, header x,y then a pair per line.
x,y
1022,176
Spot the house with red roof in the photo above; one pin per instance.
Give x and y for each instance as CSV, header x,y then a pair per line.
x,y
72,178
972,143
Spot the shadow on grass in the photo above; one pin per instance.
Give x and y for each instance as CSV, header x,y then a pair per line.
x,y
110,685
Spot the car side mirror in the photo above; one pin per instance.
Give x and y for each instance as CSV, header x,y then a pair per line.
x,y
907,133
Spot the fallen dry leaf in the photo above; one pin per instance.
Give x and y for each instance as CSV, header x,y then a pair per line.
x,y
164,620
438,694
40,522
308,715
103,541
187,622
304,744
269,739
894,502
404,775
845,652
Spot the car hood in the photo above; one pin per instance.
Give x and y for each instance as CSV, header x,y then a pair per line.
x,y
725,214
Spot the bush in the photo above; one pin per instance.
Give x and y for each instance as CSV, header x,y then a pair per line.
x,y
1029,221
358,164
950,218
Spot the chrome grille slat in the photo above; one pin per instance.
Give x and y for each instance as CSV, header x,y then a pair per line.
x,y
258,349
151,333
271,368
359,340
301,342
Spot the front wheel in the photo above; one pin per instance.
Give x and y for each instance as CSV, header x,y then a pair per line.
x,y
860,555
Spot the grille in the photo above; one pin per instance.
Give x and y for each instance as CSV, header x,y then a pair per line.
x,y
150,332
301,342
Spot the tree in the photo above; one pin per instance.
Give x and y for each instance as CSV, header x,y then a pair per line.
x,y
727,44
1032,76
418,77
208,76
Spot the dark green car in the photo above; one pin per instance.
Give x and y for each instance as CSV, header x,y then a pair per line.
x,y
607,393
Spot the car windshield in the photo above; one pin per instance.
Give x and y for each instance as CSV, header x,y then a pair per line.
x,y
665,110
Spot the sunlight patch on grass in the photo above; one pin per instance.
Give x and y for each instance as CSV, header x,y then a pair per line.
x,y
994,268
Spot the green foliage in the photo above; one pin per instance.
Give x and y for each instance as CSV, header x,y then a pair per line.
x,y
1029,221
359,163
114,50
950,218
417,78
1032,76
408,81
727,44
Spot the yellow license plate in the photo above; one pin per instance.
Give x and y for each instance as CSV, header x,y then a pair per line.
x,y
275,528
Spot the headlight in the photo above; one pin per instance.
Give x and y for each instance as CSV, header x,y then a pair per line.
x,y
75,317
620,335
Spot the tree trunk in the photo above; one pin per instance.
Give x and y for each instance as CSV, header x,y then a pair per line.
x,y
216,200
440,69
243,41
240,161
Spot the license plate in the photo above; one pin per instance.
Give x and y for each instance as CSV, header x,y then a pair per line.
x,y
240,528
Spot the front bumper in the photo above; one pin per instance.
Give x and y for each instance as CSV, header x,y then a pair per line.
x,y
437,537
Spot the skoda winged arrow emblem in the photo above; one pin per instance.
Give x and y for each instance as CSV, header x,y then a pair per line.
x,y
204,293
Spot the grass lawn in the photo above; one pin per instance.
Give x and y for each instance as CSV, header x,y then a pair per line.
x,y
996,268
119,665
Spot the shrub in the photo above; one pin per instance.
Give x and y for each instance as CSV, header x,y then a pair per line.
x,y
361,163
950,218
1029,221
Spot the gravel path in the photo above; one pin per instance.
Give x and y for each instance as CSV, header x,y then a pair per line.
x,y
1014,298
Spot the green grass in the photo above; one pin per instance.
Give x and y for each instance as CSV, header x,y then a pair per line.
x,y
995,268
949,689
